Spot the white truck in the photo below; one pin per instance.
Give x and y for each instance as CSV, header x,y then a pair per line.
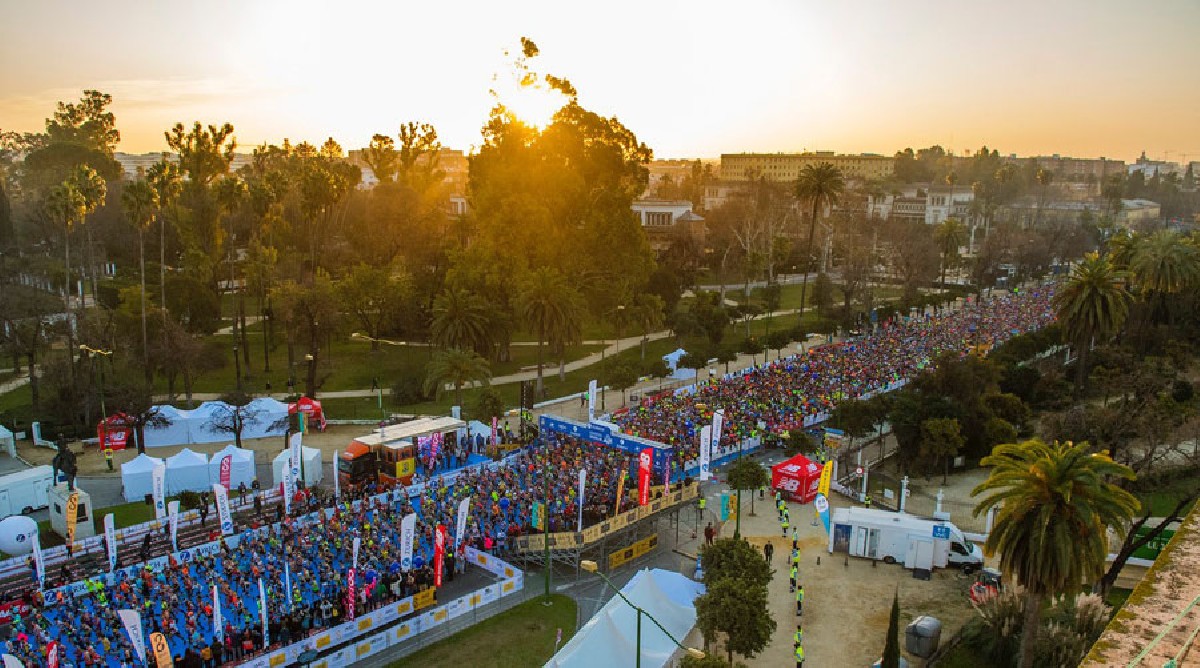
x,y
916,542
25,491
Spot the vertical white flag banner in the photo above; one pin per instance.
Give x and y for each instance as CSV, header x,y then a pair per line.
x,y
39,563
460,527
158,482
408,533
289,490
294,459
262,612
582,482
173,522
110,537
337,483
132,620
218,622
357,544
705,443
591,400
221,497
717,425
11,661
287,584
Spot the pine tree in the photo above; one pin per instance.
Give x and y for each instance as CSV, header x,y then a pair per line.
x,y
891,647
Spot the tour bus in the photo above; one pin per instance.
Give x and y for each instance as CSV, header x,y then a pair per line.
x,y
388,455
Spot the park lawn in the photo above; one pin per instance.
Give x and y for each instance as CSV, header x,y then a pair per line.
x,y
519,637
347,364
124,515
1162,499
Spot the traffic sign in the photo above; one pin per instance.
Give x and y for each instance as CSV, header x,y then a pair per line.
x,y
859,470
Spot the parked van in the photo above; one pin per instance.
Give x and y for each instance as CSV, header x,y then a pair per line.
x,y
25,491
899,537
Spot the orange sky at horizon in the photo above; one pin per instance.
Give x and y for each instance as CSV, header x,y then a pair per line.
x,y
691,79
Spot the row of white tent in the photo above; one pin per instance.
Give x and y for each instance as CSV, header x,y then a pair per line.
x,y
264,417
193,471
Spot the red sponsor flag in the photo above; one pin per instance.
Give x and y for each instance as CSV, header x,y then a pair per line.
x,y
439,553
351,593
645,459
53,654
226,468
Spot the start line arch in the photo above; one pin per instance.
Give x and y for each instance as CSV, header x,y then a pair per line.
x,y
608,435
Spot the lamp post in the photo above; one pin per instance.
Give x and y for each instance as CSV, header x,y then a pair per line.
x,y
363,337
88,350
590,566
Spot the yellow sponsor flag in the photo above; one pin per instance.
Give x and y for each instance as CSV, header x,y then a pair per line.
x,y
826,475
72,516
162,651
620,493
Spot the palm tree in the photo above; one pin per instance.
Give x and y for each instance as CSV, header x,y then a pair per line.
x,y
1044,178
1093,304
140,201
65,205
950,235
456,367
167,182
551,307
821,185
1056,504
93,190
1165,263
461,319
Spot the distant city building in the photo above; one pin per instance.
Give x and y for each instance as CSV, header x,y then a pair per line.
x,y
1024,211
1151,168
785,167
660,218
942,202
1073,170
133,163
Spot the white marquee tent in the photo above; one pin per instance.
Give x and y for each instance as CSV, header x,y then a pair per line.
x,y
7,442
264,417
313,473
187,471
136,477
242,470
610,637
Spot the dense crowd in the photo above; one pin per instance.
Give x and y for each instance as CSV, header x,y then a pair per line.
x,y
176,600
779,396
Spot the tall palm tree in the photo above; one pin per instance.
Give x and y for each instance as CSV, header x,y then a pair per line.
x,y
461,319
1056,503
1093,304
821,185
1044,178
65,205
950,235
456,367
140,201
1163,265
647,315
167,182
93,189
546,303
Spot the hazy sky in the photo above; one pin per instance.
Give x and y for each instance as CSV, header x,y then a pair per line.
x,y
691,78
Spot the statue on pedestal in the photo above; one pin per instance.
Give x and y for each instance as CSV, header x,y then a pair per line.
x,y
65,461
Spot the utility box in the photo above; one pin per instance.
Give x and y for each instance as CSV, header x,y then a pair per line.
x,y
922,635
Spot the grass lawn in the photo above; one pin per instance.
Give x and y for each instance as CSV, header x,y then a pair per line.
x,y
1162,499
1116,598
519,637
124,515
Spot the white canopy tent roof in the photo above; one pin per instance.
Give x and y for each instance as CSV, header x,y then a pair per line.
x,y
187,471
136,477
313,473
610,638
7,442
242,469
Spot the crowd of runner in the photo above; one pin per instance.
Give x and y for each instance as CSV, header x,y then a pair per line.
x,y
779,396
176,600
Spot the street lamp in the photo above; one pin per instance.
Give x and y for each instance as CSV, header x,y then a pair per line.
x,y
88,350
363,337
590,566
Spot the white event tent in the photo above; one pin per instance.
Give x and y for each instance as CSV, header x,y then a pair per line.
x,y
313,473
610,637
242,469
137,477
187,471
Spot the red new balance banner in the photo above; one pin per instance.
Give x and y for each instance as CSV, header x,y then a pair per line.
x,y
645,457
351,591
439,553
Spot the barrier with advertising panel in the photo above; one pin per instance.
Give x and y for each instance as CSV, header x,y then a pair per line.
x,y
594,533
632,552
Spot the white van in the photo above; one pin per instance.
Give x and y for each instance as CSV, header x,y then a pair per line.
x,y
25,491
899,537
